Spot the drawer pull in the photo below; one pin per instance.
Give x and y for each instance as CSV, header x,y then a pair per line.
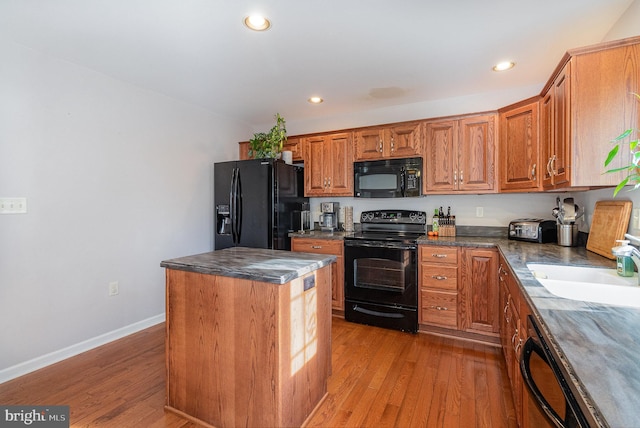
x,y
439,308
439,256
316,247
439,277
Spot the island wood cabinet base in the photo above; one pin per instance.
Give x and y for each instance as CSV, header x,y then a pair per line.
x,y
247,353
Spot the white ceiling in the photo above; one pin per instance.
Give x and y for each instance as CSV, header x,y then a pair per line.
x,y
358,55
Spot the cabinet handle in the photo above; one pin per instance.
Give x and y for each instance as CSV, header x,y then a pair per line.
x,y
439,308
461,180
507,315
455,177
553,165
380,145
513,339
316,247
439,256
533,172
324,183
549,171
517,348
329,182
439,277
392,144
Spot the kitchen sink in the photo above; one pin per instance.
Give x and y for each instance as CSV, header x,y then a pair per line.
x,y
590,284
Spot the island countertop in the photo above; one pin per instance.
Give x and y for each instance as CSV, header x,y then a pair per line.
x,y
273,266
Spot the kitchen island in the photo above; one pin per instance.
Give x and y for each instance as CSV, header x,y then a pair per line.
x,y
248,336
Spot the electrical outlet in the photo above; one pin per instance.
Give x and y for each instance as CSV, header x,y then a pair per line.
x,y
13,205
113,288
479,212
635,224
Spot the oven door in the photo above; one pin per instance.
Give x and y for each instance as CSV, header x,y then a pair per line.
x,y
550,402
381,272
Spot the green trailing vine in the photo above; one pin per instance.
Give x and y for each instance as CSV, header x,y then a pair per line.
x,y
632,169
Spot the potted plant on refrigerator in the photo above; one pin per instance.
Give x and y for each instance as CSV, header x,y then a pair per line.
x,y
269,144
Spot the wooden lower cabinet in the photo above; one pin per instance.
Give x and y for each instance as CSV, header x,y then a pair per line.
x,y
327,246
478,303
438,276
241,352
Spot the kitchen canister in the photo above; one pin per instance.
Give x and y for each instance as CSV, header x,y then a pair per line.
x,y
348,219
567,235
287,156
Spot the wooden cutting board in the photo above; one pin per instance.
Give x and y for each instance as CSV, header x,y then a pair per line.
x,y
610,221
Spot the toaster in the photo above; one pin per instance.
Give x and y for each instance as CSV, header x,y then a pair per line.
x,y
533,230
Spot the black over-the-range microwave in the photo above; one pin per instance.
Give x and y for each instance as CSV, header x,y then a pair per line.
x,y
391,178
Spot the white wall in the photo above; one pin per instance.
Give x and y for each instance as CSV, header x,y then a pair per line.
x,y
116,178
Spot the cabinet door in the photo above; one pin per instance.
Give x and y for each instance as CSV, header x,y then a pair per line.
x,y
333,247
478,309
315,178
369,144
404,141
476,156
547,144
243,150
339,164
441,156
519,149
295,146
561,157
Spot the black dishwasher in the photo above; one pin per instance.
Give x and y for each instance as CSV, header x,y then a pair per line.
x,y
547,385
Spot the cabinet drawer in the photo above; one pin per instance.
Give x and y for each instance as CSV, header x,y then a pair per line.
x,y
439,254
318,246
439,307
440,277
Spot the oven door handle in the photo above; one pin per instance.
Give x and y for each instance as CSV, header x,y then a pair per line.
x,y
357,308
380,244
530,347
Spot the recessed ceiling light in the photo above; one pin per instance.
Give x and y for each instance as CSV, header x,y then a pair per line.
x,y
315,100
257,22
502,66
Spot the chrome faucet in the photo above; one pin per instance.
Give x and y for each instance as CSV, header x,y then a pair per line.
x,y
628,250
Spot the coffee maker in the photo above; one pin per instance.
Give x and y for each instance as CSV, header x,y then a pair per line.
x,y
329,216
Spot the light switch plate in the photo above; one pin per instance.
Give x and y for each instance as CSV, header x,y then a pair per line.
x,y
13,205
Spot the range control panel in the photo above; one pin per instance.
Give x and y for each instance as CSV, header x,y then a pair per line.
x,y
394,216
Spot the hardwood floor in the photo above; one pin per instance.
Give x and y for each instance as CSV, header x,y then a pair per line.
x,y
380,378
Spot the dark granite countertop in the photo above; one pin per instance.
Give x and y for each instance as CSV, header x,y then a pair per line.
x,y
273,266
318,234
598,344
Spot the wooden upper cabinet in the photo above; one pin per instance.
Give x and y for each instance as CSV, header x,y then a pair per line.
x,y
403,140
243,150
588,102
328,165
440,156
477,154
519,149
460,155
293,144
556,112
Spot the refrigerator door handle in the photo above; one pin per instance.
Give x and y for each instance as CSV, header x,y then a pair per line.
x,y
238,205
232,203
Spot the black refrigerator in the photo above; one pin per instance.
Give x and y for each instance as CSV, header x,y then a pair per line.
x,y
255,203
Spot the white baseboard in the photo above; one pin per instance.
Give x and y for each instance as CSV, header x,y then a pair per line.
x,y
62,354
